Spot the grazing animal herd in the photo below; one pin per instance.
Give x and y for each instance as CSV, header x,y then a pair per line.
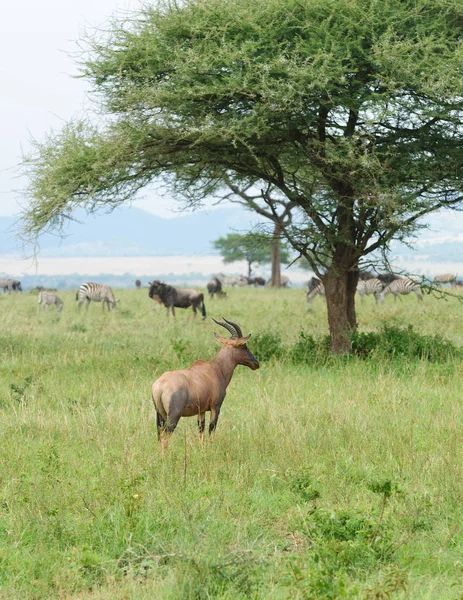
x,y
381,286
202,387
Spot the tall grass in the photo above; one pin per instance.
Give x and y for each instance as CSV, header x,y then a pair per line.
x,y
327,478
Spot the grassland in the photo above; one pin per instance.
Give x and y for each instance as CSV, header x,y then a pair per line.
x,y
326,478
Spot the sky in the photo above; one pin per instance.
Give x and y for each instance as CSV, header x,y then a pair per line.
x,y
40,91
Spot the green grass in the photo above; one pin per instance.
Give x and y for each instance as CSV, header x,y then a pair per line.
x,y
327,478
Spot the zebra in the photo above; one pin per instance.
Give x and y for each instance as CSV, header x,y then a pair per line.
x,y
401,287
98,292
445,278
48,298
370,286
316,289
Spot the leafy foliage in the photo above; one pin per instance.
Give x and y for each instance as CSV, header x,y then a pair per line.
x,y
252,248
393,343
341,120
397,343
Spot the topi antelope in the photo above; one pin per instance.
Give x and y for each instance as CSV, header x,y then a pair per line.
x,y
201,387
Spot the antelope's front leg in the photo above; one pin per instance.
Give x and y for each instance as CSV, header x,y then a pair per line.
x,y
201,424
215,412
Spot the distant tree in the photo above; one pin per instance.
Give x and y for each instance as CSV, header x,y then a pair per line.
x,y
349,111
280,216
252,248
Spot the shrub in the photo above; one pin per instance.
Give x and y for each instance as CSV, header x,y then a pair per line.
x,y
266,346
309,350
395,342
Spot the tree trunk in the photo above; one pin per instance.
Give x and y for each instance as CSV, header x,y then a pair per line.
x,y
249,269
275,257
340,286
352,281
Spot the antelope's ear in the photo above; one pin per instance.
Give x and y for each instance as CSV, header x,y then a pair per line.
x,y
221,339
236,343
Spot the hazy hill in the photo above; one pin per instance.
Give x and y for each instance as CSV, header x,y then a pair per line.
x,y
134,232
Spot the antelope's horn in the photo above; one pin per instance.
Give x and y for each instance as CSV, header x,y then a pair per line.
x,y
227,327
236,327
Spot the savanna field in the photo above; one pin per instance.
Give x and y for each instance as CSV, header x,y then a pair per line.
x,y
327,478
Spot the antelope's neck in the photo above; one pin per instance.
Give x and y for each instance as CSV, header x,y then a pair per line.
x,y
224,364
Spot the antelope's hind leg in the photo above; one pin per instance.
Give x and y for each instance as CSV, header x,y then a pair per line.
x,y
167,430
160,424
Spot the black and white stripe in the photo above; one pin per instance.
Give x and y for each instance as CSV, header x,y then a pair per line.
x,y
47,299
401,287
317,289
370,286
98,292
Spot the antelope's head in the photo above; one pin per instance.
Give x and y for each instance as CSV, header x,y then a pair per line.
x,y
237,342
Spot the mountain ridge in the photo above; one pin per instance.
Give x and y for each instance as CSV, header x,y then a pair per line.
x,y
131,231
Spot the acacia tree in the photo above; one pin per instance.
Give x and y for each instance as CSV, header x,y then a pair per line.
x,y
250,248
280,215
350,109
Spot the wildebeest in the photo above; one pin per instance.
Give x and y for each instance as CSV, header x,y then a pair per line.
x,y
173,297
202,387
214,286
16,285
138,284
10,285
47,299
98,292
387,278
256,281
365,275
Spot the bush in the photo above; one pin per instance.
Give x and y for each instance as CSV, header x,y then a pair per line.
x,y
309,350
394,342
390,342
266,346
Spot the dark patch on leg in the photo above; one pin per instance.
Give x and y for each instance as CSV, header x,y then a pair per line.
x,y
201,423
160,423
213,423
